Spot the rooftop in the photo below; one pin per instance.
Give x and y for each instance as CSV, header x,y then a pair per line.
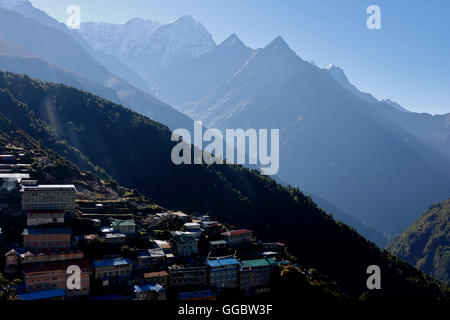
x,y
123,223
149,287
49,187
111,262
115,235
156,274
150,253
183,236
179,214
222,262
255,263
40,295
217,242
236,232
163,244
35,231
14,176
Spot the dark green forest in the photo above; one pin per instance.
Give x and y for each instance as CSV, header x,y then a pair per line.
x,y
426,243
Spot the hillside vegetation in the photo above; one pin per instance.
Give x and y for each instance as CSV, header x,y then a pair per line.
x,y
426,243
135,151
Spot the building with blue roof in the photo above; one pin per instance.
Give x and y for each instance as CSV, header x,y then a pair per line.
x,y
56,294
113,271
150,291
223,273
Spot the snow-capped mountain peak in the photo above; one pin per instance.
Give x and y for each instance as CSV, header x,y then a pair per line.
x,y
149,46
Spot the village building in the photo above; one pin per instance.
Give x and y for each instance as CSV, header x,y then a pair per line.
x,y
159,277
275,246
183,216
210,227
237,237
42,256
113,271
223,273
115,238
12,258
54,275
185,243
34,238
254,274
124,226
218,245
187,275
164,245
151,258
153,291
43,217
44,197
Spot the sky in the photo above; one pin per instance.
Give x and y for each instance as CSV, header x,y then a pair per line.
x,y
407,60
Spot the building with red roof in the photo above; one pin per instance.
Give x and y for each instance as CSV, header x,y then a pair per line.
x,y
237,237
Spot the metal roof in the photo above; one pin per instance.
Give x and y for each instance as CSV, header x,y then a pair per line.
x,y
111,262
47,294
222,262
236,232
122,223
149,287
255,263
50,187
218,242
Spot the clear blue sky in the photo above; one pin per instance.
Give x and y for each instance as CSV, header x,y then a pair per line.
x,y
407,60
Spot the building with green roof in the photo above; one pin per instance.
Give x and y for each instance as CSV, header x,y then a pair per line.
x,y
255,274
124,226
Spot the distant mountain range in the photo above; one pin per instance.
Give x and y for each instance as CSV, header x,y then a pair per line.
x,y
149,47
426,243
371,158
57,48
336,142
107,138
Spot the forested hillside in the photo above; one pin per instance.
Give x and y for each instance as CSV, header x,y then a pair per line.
x,y
135,150
426,243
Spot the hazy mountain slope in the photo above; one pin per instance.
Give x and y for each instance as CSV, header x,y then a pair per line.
x,y
194,78
60,49
368,232
261,73
25,8
339,75
51,45
426,243
432,129
136,151
147,48
333,144
16,59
